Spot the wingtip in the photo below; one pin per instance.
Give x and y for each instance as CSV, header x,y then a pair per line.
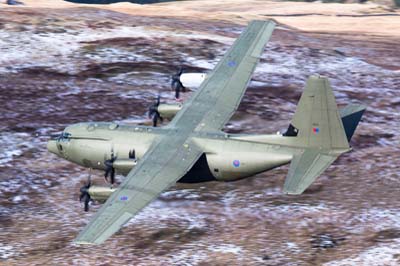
x,y
291,193
360,106
273,21
83,243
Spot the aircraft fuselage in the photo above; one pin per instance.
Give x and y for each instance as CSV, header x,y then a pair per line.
x,y
226,157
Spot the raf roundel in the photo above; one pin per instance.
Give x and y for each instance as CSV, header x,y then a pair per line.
x,y
315,130
231,64
236,163
123,198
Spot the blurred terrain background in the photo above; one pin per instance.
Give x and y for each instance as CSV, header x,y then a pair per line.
x,y
388,2
63,63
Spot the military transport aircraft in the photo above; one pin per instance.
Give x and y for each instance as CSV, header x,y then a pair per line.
x,y
192,147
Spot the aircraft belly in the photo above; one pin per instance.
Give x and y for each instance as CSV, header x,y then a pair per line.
x,y
231,166
200,172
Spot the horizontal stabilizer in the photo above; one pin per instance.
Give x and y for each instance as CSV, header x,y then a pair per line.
x,y
305,168
351,116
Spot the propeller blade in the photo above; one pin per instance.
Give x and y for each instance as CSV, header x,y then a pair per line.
x,y
176,77
176,83
154,107
87,200
132,154
112,177
153,112
180,71
112,158
110,170
155,119
85,196
107,172
89,181
177,90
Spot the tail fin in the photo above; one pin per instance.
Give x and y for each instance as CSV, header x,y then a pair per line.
x,y
317,123
319,131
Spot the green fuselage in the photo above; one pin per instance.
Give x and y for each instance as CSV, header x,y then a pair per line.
x,y
226,157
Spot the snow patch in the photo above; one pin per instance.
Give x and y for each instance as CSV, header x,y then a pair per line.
x,y
158,210
226,248
380,219
188,194
188,257
6,251
51,50
12,145
293,247
201,63
384,254
19,198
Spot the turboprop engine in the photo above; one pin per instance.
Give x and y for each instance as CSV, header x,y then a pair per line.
x,y
192,80
160,111
123,166
169,110
180,81
94,193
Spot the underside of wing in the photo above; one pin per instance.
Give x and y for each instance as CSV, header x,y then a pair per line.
x,y
304,170
159,169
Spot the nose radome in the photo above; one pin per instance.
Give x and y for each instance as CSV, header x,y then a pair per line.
x,y
52,147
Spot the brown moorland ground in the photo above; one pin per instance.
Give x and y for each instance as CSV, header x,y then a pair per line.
x,y
62,63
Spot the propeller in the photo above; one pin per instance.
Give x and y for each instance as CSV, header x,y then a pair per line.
x,y
110,170
153,112
85,196
176,83
132,154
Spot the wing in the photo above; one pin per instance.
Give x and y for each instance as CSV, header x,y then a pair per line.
x,y
305,168
220,94
164,164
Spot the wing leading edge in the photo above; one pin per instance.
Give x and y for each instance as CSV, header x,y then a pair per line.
x,y
174,153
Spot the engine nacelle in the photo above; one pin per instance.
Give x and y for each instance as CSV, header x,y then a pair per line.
x,y
124,166
168,111
100,193
192,80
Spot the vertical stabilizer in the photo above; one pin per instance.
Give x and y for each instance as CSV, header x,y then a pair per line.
x,y
317,121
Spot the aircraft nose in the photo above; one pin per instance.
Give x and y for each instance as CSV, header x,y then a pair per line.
x,y
52,147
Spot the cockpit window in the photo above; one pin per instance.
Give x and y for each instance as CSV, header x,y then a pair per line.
x,y
64,136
